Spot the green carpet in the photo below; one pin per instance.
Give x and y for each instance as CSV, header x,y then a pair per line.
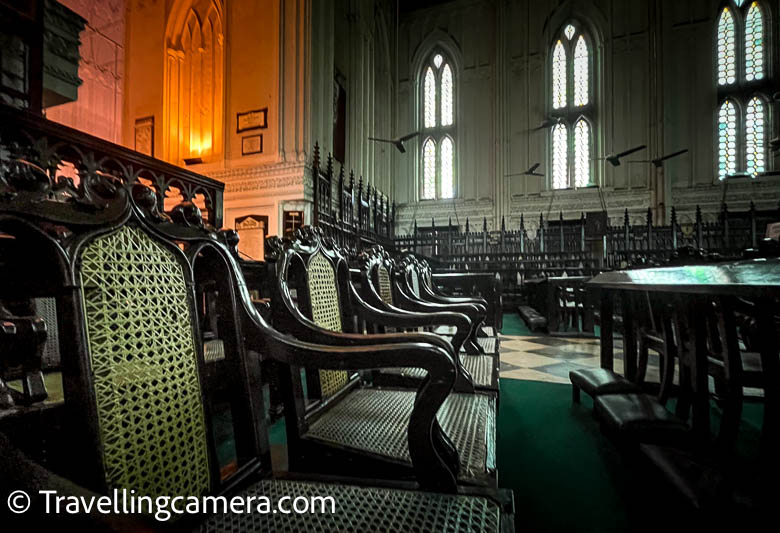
x,y
566,476
514,325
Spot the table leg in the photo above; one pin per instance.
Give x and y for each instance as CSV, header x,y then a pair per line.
x,y
629,336
607,325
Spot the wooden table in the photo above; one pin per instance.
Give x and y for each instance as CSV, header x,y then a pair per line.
x,y
757,280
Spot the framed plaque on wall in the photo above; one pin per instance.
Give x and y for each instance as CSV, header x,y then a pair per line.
x,y
252,144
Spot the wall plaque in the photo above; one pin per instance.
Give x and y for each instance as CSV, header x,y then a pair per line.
x,y
252,144
252,120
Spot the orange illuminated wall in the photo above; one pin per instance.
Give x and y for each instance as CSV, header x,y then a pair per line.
x,y
194,81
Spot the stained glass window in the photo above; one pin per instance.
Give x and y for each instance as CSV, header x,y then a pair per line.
x,y
754,136
581,80
447,169
571,139
559,76
727,139
430,99
727,55
429,170
743,115
560,156
446,96
438,118
582,153
754,43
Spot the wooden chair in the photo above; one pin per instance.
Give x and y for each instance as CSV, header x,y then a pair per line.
x,y
431,291
410,292
374,277
355,427
711,477
142,402
642,417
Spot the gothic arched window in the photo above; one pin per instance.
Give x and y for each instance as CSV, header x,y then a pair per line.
x,y
194,74
572,108
439,130
743,80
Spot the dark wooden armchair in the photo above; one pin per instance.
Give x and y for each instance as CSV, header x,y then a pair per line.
x,y
345,425
410,292
374,277
143,407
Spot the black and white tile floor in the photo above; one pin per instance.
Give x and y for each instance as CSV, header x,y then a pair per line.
x,y
547,358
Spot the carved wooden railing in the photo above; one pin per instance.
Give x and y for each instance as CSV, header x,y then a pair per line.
x,y
356,217
572,248
64,161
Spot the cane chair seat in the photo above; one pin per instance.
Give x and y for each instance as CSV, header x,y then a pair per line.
x,y
361,509
375,421
479,366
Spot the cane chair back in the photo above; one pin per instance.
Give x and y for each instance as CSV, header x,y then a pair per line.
x,y
326,313
385,288
143,359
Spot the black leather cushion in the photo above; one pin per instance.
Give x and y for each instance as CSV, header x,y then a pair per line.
x,y
597,381
640,417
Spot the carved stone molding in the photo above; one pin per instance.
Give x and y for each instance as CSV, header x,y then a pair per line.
x,y
266,179
443,211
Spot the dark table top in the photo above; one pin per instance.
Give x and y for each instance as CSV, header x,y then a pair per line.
x,y
749,278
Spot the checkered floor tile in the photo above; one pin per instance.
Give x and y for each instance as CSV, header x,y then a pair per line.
x,y
550,358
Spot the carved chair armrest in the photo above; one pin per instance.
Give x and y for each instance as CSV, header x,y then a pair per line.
x,y
19,472
409,302
433,292
432,297
434,457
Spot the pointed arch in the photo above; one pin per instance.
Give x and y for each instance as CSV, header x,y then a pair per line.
x,y
727,139
755,136
559,97
429,169
582,153
754,43
446,95
560,163
194,81
430,98
727,53
581,72
447,168
438,116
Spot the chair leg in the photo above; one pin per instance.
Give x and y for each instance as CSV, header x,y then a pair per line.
x,y
575,394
